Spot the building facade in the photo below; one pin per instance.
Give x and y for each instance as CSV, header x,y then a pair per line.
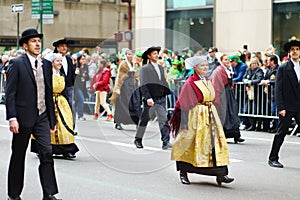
x,y
85,23
227,24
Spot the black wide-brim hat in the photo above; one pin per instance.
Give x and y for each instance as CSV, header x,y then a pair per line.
x,y
29,33
58,42
149,50
287,46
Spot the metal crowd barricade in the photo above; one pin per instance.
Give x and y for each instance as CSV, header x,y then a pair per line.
x,y
260,106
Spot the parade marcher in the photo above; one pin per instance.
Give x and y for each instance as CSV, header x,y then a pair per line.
x,y
63,139
30,110
287,98
198,130
122,92
225,101
154,88
68,70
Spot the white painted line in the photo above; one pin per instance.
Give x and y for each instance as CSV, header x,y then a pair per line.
x,y
133,146
118,143
270,140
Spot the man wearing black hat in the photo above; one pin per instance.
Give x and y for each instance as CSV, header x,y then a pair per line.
x,y
68,70
154,89
287,97
30,110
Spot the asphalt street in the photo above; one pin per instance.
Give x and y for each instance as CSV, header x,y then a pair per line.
x,y
109,167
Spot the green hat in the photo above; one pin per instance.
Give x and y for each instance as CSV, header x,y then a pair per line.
x,y
139,54
176,62
235,57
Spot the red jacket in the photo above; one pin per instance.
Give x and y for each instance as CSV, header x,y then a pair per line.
x,y
100,81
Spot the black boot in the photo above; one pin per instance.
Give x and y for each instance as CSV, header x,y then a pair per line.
x,y
138,143
224,179
236,140
184,178
119,127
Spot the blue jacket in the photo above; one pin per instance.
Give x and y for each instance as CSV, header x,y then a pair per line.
x,y
239,72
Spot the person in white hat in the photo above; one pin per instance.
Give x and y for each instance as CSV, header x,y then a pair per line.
x,y
197,127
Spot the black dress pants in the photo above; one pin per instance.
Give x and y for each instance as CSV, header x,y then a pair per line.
x,y
41,131
283,128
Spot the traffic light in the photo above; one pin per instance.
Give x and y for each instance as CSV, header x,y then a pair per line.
x,y
126,1
118,36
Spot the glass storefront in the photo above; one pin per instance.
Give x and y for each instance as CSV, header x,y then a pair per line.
x,y
286,23
189,24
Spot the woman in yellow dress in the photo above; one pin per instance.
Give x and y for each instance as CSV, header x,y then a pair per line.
x,y
62,139
200,145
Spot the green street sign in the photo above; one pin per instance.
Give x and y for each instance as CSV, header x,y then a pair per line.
x,y
47,8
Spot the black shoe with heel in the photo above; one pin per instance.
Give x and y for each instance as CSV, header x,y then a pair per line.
x,y
184,178
119,127
224,179
138,143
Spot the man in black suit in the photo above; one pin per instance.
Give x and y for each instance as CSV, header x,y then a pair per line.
x,y
68,70
287,97
30,110
154,89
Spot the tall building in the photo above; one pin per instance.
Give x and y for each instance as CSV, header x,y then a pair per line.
x,y
227,24
84,23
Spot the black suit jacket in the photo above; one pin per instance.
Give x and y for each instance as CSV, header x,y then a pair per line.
x,y
151,85
21,92
287,88
70,77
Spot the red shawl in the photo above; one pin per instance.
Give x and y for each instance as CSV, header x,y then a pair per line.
x,y
189,96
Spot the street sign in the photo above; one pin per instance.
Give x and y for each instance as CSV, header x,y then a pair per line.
x,y
17,8
47,6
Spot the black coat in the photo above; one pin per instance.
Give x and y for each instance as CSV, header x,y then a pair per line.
x,y
128,105
287,88
70,77
21,92
151,85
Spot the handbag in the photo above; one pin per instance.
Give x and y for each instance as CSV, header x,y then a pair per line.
x,y
250,92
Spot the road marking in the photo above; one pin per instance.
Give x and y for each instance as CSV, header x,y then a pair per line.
x,y
271,140
133,146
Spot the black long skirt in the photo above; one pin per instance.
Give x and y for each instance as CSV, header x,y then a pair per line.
x,y
209,171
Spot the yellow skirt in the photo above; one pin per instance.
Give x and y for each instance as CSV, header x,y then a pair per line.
x,y
195,146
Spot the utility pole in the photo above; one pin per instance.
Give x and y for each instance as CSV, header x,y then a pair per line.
x,y
41,21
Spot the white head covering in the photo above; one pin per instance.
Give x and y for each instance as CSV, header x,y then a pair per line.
x,y
193,61
52,56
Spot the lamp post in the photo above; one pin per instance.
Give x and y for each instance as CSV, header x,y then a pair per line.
x,y
129,20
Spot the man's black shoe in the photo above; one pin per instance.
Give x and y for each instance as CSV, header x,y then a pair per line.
x,y
50,197
69,156
14,198
236,140
167,146
119,127
275,163
138,143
